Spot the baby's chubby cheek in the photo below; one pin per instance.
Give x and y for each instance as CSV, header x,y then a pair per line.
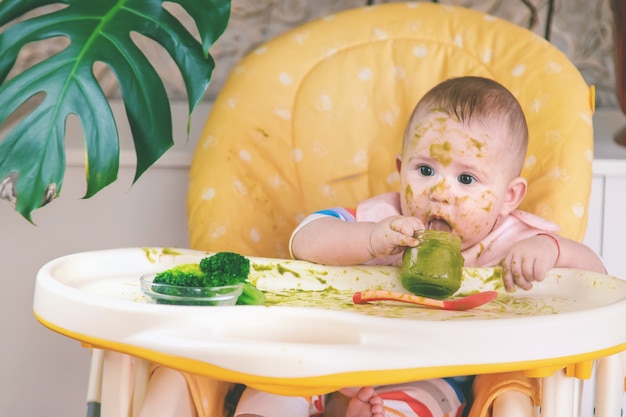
x,y
474,217
410,202
487,201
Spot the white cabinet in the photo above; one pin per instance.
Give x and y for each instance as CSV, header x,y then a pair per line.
x,y
606,230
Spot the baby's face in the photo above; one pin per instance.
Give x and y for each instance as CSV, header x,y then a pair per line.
x,y
455,174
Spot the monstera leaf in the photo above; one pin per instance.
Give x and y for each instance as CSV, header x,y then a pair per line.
x,y
32,154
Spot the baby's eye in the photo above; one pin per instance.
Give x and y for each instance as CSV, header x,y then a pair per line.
x,y
466,179
426,171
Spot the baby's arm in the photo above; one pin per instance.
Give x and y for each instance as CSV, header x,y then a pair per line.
x,y
531,258
331,241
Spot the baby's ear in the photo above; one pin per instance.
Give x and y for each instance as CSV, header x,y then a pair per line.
x,y
514,195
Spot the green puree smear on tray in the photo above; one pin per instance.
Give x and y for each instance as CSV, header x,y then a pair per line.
x,y
330,297
504,306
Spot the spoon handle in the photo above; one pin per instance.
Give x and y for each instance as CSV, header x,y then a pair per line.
x,y
459,304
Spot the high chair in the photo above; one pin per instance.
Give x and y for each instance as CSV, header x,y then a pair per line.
x,y
313,119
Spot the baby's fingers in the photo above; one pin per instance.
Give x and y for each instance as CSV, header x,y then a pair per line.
x,y
402,228
515,272
407,226
402,240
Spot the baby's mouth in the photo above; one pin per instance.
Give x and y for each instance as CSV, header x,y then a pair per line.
x,y
439,224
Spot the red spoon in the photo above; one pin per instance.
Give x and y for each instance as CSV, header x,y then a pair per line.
x,y
458,304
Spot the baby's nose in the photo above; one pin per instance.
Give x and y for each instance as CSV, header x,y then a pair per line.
x,y
440,193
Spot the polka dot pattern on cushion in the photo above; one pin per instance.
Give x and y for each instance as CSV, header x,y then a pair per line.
x,y
315,117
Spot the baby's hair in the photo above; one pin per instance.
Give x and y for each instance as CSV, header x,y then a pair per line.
x,y
477,99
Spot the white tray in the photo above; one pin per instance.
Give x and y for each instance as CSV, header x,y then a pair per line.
x,y
316,332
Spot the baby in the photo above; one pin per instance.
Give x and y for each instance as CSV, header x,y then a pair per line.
x,y
460,167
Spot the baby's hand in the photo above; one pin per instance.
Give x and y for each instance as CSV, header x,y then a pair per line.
x,y
391,235
529,260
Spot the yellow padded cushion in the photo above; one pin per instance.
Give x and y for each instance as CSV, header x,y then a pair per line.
x,y
314,118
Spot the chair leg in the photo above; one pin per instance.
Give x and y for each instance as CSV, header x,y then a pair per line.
x,y
94,387
120,386
117,384
142,381
609,386
561,396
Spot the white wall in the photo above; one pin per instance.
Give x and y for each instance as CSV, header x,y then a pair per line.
x,y
41,372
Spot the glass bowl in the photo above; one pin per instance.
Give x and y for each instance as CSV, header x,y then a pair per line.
x,y
190,296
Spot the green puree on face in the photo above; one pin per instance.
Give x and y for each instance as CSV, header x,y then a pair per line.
x,y
433,268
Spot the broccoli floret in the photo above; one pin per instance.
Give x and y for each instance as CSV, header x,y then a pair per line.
x,y
225,268
184,275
